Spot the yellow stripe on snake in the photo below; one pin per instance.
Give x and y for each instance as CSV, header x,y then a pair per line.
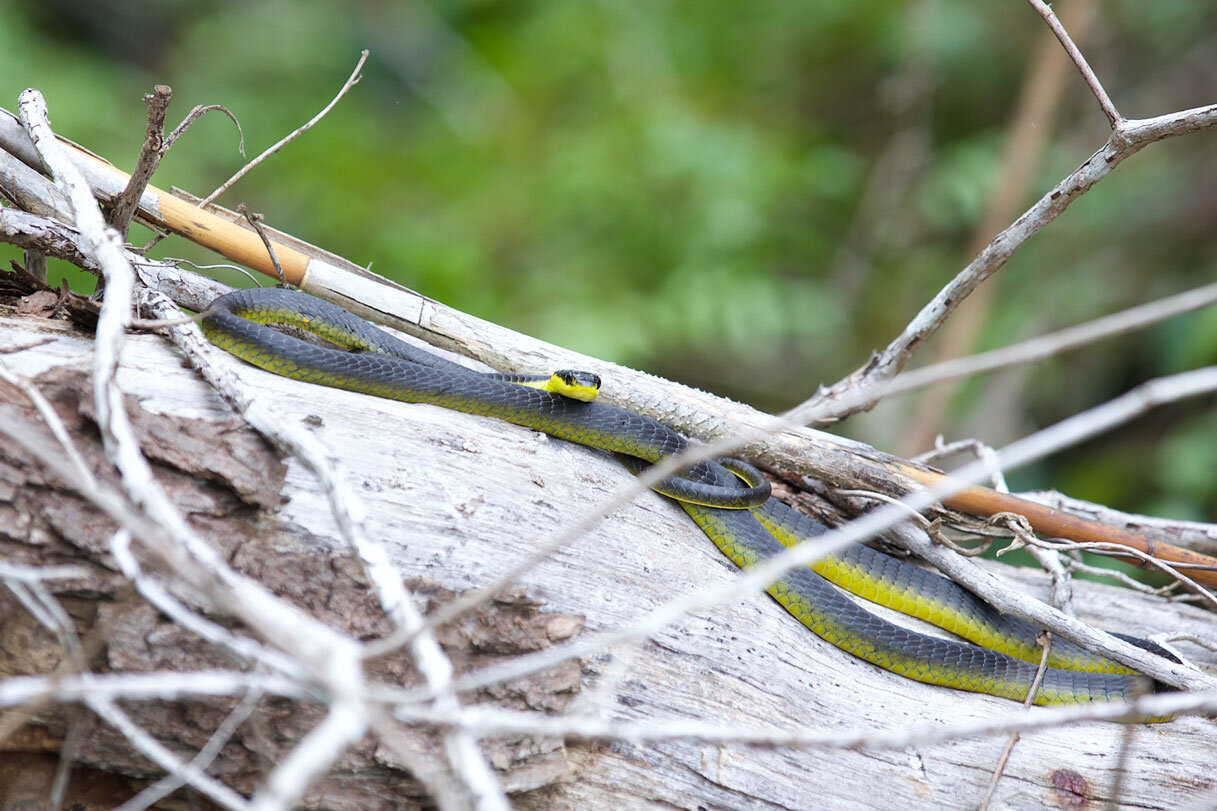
x,y
1000,654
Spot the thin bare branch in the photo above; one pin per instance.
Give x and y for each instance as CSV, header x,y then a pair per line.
x,y
170,783
159,754
1061,341
67,756
197,113
158,323
1188,534
1092,81
30,574
106,248
1174,636
979,449
1130,137
150,155
488,721
1121,769
218,368
35,263
1028,134
1045,640
12,350
332,657
164,685
1061,592
1119,550
1115,574
350,82
47,412
255,222
1068,432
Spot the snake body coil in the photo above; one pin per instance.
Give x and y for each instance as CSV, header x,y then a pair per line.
x,y
1001,662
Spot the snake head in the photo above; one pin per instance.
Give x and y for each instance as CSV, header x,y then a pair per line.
x,y
575,384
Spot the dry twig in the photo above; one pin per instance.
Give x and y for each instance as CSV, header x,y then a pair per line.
x,y
1075,54
255,222
1130,137
347,695
150,155
330,656
1045,640
227,184
1069,431
487,720
217,368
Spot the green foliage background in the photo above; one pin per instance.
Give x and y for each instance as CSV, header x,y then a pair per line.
x,y
691,188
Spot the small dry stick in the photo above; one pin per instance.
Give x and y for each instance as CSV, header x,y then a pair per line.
x,y
9,350
172,782
1130,732
149,159
963,551
1075,565
50,417
1130,138
158,323
197,113
67,757
162,756
1120,550
980,449
350,82
886,499
1025,538
490,721
255,222
1045,640
1181,636
1096,87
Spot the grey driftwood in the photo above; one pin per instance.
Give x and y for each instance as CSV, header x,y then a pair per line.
x,y
457,499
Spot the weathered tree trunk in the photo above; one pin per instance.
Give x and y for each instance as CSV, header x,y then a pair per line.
x,y
457,500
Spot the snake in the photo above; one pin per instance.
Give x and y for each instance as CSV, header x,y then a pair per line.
x,y
731,502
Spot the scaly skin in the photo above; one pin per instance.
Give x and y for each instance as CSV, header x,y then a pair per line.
x,y
835,618
999,663
911,590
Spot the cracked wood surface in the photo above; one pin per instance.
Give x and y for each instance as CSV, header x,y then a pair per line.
x,y
456,499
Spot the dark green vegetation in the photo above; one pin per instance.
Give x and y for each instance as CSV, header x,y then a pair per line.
x,y
748,197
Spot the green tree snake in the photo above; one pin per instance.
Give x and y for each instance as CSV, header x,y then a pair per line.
x,y
997,654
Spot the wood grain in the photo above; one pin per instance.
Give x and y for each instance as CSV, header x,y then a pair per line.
x,y
458,498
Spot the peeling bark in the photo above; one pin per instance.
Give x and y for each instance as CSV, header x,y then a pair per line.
x,y
457,499
226,479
